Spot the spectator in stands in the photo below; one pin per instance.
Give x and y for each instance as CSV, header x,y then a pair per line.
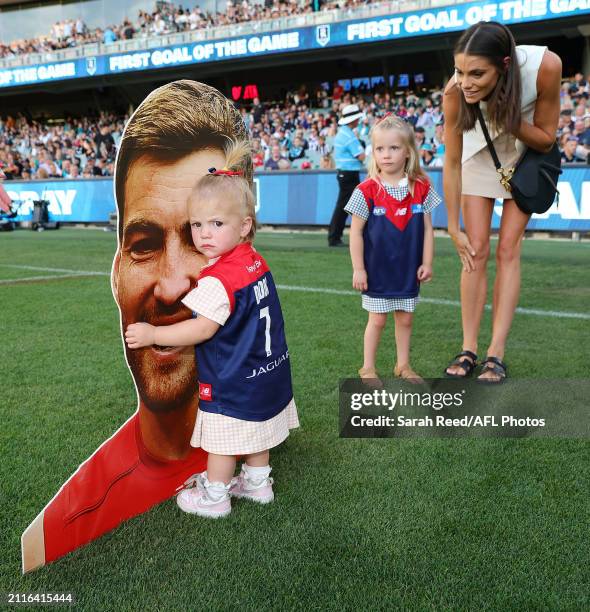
x,y
428,157
570,151
104,142
272,163
438,139
127,31
109,35
296,150
420,135
257,110
411,116
327,162
12,169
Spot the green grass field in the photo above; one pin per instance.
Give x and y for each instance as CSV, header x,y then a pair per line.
x,y
417,524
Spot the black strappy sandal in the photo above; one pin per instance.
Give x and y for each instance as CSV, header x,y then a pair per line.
x,y
498,367
466,365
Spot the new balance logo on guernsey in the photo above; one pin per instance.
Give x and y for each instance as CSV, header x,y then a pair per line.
x,y
260,290
401,211
205,392
378,210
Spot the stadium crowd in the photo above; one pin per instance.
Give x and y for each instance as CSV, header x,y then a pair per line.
x,y
165,18
296,133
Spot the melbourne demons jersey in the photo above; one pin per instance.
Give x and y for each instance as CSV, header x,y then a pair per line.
x,y
393,239
244,369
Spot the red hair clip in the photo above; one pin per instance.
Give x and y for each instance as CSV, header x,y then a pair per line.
x,y
384,117
225,172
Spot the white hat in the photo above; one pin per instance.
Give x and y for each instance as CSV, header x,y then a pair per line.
x,y
350,113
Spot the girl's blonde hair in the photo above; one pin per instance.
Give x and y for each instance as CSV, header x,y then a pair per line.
x,y
232,186
412,168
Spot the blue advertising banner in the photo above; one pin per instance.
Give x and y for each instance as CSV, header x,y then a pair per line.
x,y
387,27
289,198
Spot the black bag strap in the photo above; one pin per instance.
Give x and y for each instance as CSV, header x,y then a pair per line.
x,y
486,134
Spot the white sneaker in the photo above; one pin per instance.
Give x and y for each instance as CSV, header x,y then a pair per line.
x,y
196,480
243,487
210,500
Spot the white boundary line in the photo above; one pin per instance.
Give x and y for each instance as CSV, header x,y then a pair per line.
x,y
33,279
65,270
557,314
441,302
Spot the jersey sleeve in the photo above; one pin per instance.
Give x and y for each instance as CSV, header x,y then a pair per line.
x,y
357,205
355,147
209,299
431,201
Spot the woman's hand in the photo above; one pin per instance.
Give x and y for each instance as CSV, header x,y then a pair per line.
x,y
465,250
359,280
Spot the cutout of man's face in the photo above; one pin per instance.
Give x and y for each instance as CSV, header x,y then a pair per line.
x,y
149,457
155,266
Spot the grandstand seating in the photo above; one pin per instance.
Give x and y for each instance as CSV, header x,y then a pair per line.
x,y
86,148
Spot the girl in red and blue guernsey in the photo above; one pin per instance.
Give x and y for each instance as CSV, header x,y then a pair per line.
x,y
391,240
246,404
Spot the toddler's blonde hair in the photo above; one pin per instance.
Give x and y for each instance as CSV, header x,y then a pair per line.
x,y
412,167
231,187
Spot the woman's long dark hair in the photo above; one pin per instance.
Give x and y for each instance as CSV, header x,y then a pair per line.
x,y
493,41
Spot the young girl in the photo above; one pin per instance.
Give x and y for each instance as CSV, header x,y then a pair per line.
x,y
391,240
246,402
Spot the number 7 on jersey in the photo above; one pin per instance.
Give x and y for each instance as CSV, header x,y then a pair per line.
x,y
265,314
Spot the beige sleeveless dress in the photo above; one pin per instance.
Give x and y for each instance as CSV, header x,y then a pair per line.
x,y
479,176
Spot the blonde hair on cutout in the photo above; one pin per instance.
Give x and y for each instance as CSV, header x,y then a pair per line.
x,y
413,169
233,188
174,121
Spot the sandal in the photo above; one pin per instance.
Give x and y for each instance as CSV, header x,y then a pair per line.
x,y
405,372
498,367
370,377
465,364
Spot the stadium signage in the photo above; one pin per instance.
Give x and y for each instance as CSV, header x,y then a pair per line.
x,y
36,74
279,200
212,51
392,27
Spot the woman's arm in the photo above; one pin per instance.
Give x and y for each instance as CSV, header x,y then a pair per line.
x,y
453,152
357,247
452,175
541,134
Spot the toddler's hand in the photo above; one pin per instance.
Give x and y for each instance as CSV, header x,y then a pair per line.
x,y
139,334
424,273
359,280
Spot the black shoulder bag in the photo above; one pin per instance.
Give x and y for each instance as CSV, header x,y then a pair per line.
x,y
533,180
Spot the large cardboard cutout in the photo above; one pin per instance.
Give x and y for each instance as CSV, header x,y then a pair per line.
x,y
174,136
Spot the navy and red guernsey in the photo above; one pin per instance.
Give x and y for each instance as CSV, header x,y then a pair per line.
x,y
393,239
244,369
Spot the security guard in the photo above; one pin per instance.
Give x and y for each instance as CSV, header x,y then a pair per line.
x,y
349,154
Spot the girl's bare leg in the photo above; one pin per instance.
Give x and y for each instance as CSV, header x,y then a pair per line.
x,y
373,331
260,459
220,468
403,335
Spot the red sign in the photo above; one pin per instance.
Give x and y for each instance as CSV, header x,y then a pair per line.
x,y
246,92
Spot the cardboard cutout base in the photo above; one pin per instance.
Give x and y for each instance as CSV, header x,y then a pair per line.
x,y
33,545
119,481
